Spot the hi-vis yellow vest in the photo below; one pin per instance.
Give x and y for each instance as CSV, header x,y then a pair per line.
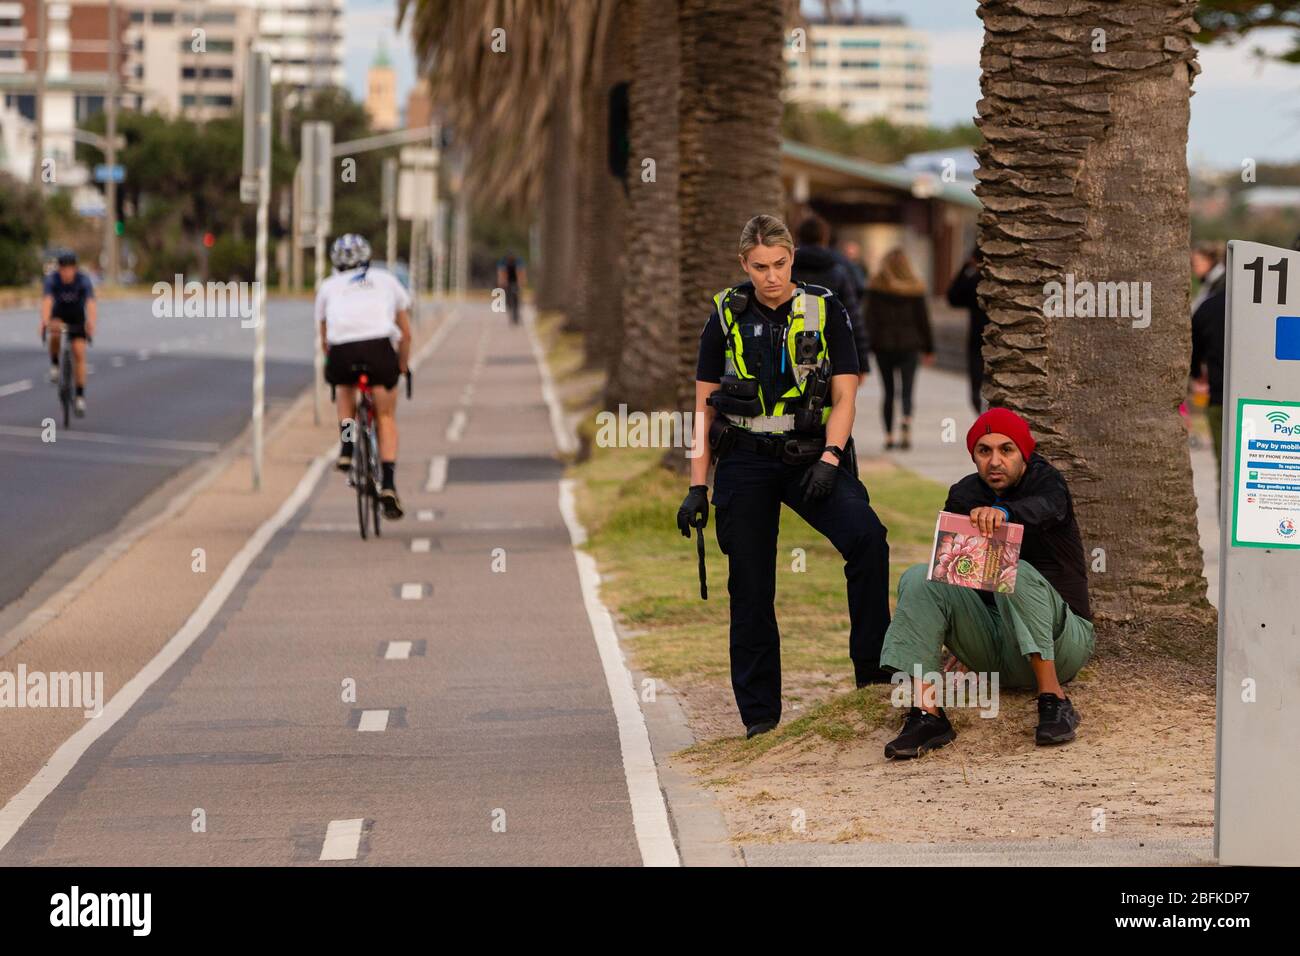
x,y
780,417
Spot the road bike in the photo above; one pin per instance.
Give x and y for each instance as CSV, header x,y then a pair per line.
x,y
366,475
66,380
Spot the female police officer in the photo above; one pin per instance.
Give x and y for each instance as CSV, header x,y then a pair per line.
x,y
774,391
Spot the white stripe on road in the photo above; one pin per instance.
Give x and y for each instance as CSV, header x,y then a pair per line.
x,y
143,355
13,388
342,840
412,592
24,803
420,545
398,650
117,361
437,473
373,721
654,836
457,427
425,515
207,447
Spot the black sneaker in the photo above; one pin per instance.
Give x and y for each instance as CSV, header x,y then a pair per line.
x,y
921,732
1057,719
391,504
762,727
343,462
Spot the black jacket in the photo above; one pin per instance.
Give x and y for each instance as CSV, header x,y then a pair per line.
x,y
1041,502
818,265
1208,325
962,295
898,323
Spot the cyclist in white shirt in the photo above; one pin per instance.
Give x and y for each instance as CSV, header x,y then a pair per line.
x,y
360,311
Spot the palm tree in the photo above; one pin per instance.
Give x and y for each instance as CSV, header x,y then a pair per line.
x,y
644,375
1084,173
729,148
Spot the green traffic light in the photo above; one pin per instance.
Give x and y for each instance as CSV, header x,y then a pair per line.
x,y
119,227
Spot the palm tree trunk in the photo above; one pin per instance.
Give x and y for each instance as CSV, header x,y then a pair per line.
x,y
559,205
646,365
729,146
1084,174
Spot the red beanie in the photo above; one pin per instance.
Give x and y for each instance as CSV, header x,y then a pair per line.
x,y
1002,421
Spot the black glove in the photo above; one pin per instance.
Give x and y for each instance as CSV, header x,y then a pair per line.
x,y
694,512
818,480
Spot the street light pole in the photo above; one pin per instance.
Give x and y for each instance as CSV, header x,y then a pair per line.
x,y
110,153
38,157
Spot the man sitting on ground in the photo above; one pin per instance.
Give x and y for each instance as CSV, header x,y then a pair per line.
x,y
1039,635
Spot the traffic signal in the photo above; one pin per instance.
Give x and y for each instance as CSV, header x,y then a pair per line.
x,y
119,227
208,240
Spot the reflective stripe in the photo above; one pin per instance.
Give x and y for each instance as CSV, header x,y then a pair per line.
x,y
764,423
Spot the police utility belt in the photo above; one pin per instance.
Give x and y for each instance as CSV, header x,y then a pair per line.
x,y
798,436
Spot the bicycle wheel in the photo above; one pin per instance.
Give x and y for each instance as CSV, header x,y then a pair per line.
x,y
376,476
361,479
65,382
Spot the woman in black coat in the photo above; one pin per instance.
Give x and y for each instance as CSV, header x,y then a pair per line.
x,y
898,320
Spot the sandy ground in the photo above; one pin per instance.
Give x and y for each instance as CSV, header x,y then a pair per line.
x,y
1142,766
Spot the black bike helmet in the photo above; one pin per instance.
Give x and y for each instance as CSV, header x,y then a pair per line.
x,y
67,258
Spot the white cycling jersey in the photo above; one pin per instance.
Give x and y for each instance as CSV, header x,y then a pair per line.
x,y
356,306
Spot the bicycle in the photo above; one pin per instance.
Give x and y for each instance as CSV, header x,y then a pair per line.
x,y
66,372
366,475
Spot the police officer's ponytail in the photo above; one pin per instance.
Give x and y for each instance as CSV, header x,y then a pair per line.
x,y
764,230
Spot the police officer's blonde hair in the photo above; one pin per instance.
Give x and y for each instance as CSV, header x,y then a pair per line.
x,y
764,230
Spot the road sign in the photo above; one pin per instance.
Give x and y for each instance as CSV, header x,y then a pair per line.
x,y
1258,779
420,157
416,194
257,127
317,173
104,172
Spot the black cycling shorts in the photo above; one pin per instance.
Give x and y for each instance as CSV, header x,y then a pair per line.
x,y
75,330
378,355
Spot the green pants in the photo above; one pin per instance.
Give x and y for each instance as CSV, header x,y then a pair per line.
x,y
1034,619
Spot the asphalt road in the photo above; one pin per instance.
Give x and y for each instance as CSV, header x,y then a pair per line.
x,y
162,394
482,729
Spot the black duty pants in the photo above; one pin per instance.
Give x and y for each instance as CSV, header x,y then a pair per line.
x,y
748,490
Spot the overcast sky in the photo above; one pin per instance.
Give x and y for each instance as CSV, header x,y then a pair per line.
x,y
1242,107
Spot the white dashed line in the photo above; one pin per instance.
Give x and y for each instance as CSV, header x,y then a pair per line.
x,y
397,651
373,721
420,545
342,840
425,515
437,473
457,427
412,592
13,388
117,361
143,355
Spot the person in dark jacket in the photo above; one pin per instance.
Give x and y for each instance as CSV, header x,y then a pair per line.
x,y
1208,326
898,322
815,263
961,295
1039,634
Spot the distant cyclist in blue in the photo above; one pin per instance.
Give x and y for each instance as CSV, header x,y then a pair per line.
x,y
68,303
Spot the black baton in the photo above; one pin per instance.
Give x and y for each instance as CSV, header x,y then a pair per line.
x,y
699,547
